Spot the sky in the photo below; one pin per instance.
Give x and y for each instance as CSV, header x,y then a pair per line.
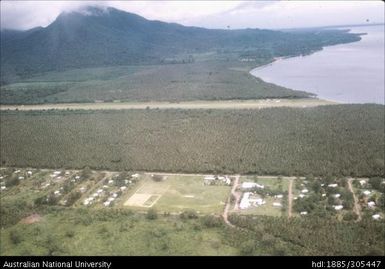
x,y
24,15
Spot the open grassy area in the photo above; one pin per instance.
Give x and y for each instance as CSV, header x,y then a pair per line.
x,y
177,193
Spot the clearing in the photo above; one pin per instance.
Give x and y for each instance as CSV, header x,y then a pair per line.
x,y
228,104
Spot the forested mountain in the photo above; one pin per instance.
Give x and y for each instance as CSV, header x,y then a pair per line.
x,y
97,36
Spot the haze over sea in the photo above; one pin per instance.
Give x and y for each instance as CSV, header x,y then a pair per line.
x,y
347,73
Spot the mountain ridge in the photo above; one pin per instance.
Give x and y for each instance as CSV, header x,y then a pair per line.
x,y
94,37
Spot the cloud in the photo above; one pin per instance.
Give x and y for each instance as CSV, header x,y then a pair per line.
x,y
210,14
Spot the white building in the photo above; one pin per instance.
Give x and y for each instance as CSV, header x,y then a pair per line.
x,y
366,192
338,207
303,213
376,216
250,185
333,185
245,203
277,204
337,195
362,182
305,191
371,204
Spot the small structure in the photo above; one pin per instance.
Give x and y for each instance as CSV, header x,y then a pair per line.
x,y
123,188
323,195
301,195
371,204
77,177
3,188
303,213
277,204
333,185
337,195
305,191
135,175
366,192
279,196
110,181
29,173
338,207
251,185
21,178
362,182
82,189
106,203
245,203
99,191
376,216
56,192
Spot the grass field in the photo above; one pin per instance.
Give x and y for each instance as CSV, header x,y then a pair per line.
x,y
177,193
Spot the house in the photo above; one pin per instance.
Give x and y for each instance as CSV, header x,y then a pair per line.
x,y
371,204
105,187
279,196
106,203
21,178
77,177
324,194
57,173
376,216
338,207
333,185
67,173
366,192
305,191
29,173
303,213
99,191
3,187
337,195
245,203
110,181
301,195
82,189
115,195
135,175
251,185
362,182
123,188
277,204
56,192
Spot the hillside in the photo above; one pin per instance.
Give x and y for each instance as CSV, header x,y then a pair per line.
x,y
95,37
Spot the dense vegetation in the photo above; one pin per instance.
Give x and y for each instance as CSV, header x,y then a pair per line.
x,y
329,140
210,79
98,37
121,232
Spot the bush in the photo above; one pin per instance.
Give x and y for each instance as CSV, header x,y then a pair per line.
x,y
212,221
247,248
152,214
15,236
189,214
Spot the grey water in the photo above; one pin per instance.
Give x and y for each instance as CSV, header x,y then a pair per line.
x,y
346,73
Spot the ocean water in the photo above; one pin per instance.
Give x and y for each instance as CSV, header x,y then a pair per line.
x,y
347,73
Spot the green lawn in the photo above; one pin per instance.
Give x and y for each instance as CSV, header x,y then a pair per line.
x,y
185,192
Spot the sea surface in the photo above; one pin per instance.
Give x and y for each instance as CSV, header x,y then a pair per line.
x,y
346,73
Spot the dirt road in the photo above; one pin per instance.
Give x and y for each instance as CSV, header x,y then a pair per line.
x,y
225,104
290,197
228,204
357,208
